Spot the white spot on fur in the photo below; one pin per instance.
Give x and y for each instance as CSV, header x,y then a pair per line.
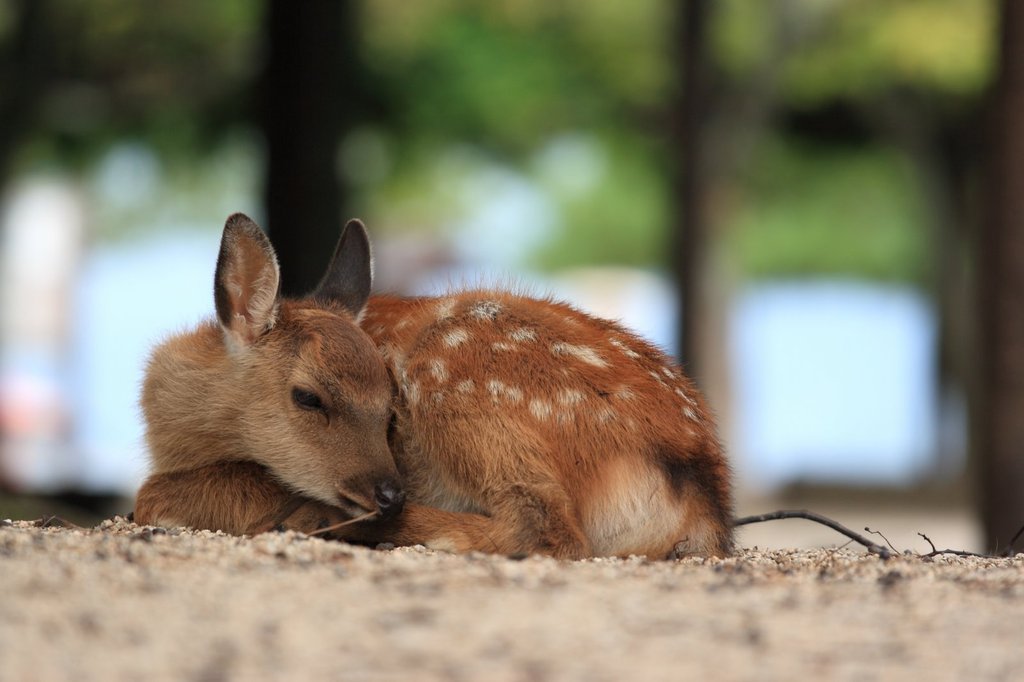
x,y
485,310
522,334
605,414
540,409
439,370
413,393
667,372
402,324
657,377
498,389
456,337
445,308
466,386
502,346
570,396
690,414
582,353
628,352
685,396
624,394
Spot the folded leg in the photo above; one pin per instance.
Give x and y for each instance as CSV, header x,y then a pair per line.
x,y
525,520
240,498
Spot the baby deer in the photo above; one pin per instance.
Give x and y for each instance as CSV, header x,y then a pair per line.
x,y
483,420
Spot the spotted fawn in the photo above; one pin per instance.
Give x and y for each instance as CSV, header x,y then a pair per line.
x,y
483,420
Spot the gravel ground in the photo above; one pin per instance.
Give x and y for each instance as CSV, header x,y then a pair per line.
x,y
124,602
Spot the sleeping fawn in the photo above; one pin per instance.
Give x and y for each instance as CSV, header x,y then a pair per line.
x,y
482,420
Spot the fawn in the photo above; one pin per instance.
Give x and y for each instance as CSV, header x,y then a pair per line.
x,y
482,420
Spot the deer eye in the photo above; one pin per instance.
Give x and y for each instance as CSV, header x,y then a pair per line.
x,y
307,400
392,424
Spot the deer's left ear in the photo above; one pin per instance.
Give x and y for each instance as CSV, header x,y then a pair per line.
x,y
245,285
349,276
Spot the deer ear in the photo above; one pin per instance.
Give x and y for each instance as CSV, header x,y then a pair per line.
x,y
349,277
246,283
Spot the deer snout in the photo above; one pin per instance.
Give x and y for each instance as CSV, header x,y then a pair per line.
x,y
390,499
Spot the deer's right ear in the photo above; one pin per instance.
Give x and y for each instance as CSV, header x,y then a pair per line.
x,y
246,284
349,277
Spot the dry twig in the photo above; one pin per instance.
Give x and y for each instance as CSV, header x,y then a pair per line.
x,y
883,552
56,522
881,535
365,517
955,552
1016,536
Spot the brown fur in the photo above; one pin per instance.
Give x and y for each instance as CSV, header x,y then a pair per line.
x,y
520,425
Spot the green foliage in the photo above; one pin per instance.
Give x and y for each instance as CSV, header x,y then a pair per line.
x,y
472,86
134,189
743,35
605,191
508,75
418,188
514,75
618,217
860,48
174,75
830,211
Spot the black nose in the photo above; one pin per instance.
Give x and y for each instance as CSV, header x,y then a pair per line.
x,y
390,499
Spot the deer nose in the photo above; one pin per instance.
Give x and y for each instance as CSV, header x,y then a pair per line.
x,y
390,499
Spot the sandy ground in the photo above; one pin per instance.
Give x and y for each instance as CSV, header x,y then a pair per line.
x,y
122,602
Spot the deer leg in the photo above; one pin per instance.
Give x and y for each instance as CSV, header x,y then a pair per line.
x,y
240,498
524,521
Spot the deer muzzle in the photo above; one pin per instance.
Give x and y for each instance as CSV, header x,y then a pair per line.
x,y
390,499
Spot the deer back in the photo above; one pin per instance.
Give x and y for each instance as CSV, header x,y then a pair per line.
x,y
497,387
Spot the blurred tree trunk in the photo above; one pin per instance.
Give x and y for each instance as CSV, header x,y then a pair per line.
x,y
999,407
25,71
308,89
689,233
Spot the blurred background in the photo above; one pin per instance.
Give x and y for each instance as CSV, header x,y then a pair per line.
x,y
812,203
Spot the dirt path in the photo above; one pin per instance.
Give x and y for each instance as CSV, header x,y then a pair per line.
x,y
123,603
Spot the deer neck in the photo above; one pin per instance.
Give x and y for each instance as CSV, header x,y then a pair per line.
x,y
190,402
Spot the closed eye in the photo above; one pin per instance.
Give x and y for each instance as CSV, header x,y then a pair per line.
x,y
392,424
307,400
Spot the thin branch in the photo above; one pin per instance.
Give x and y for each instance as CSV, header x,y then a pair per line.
x,y
56,522
881,535
954,552
882,552
1016,536
365,517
